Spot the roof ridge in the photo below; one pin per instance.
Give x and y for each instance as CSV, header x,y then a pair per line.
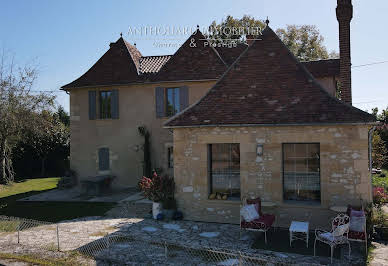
x,y
143,56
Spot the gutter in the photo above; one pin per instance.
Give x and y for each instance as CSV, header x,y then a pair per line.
x,y
136,83
274,125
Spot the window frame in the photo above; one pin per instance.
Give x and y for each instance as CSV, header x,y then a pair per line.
x,y
210,172
307,202
166,101
109,104
170,163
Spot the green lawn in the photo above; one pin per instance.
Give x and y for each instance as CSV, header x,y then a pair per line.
x,y
28,185
44,211
378,181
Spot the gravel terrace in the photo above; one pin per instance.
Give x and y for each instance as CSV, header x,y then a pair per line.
x,y
137,240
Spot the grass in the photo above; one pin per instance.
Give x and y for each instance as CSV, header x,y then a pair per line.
x,y
44,211
378,181
28,185
38,260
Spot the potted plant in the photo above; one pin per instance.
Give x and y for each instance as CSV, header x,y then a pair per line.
x,y
152,190
158,189
380,219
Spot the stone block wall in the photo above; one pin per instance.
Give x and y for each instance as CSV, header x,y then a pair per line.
x,y
344,170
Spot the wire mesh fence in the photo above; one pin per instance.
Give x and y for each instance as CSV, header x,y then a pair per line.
x,y
118,247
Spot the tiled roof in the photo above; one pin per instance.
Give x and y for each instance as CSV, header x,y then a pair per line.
x,y
123,64
193,62
323,68
230,54
119,65
152,64
268,85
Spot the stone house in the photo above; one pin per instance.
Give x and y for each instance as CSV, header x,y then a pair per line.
x,y
228,122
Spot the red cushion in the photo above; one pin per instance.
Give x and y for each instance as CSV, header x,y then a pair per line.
x,y
257,202
356,235
266,219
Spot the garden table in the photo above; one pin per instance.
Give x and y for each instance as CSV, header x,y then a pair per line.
x,y
299,231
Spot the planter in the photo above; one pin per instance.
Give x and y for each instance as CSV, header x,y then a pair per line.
x,y
169,214
156,209
382,232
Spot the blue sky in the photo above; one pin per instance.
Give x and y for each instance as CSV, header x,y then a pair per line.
x,y
65,38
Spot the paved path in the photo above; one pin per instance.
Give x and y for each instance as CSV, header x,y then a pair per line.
x,y
380,253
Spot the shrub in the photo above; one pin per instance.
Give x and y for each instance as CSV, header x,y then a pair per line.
x,y
379,196
157,188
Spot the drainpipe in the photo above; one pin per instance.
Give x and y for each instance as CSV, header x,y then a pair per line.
x,y
370,135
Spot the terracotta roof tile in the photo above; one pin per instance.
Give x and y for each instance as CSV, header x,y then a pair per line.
x,y
230,54
152,64
119,65
193,63
323,68
267,85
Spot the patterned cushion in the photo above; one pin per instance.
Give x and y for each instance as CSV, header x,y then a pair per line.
x,y
357,224
249,213
257,203
341,230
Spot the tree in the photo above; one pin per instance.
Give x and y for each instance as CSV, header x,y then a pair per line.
x,y
305,41
379,151
49,136
18,106
63,116
222,31
380,139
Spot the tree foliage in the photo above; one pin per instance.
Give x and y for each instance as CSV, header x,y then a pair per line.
x,y
18,106
304,41
222,30
49,137
380,139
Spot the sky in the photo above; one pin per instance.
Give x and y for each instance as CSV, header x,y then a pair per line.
x,y
65,38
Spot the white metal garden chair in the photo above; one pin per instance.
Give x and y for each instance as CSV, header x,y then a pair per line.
x,y
337,236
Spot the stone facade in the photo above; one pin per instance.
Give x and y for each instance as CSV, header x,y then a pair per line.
x,y
344,172
136,108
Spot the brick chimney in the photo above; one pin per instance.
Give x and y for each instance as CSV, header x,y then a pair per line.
x,y
344,13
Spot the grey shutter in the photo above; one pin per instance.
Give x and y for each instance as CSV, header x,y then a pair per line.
x,y
103,159
184,97
92,105
159,101
115,104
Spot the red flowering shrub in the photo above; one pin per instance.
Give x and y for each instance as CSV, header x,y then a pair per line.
x,y
157,188
379,195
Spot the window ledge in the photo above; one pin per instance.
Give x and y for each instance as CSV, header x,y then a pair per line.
x,y
228,202
312,205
